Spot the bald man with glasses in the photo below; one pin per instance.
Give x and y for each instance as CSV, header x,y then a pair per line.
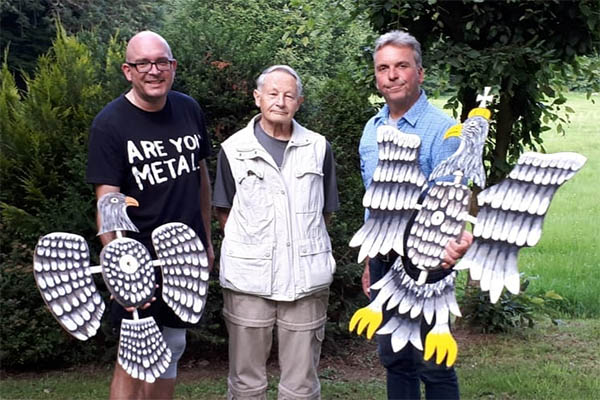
x,y
151,143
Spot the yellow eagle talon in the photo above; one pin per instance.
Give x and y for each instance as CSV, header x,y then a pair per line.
x,y
441,342
366,318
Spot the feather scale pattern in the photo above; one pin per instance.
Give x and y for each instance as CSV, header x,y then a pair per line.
x,y
61,270
440,219
143,352
128,272
185,270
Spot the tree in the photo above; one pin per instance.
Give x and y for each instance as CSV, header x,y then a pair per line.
x,y
523,49
28,26
43,148
222,47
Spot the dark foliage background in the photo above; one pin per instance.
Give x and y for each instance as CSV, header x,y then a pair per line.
x,y
526,51
61,64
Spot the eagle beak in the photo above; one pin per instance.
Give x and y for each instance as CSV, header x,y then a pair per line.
x,y
453,131
130,201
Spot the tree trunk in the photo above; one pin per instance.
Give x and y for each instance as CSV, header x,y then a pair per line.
x,y
504,122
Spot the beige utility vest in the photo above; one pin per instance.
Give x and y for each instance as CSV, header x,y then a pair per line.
x,y
276,244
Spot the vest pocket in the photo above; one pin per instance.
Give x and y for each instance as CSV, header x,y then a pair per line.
x,y
256,203
316,263
246,267
310,189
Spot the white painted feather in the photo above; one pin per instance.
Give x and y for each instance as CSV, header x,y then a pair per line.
x,y
535,232
384,280
400,336
361,234
497,283
389,327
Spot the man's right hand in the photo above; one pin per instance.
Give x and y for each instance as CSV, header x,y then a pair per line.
x,y
143,307
366,279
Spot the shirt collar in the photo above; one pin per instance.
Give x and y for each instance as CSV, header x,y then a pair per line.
x,y
411,116
299,137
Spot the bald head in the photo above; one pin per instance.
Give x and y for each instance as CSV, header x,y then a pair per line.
x,y
150,67
142,40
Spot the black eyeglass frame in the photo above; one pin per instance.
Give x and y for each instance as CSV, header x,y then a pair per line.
x,y
168,61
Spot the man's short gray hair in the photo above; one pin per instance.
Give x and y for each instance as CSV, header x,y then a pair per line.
x,y
400,39
286,68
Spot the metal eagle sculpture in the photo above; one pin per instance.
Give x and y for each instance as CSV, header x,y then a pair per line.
x,y
64,278
511,214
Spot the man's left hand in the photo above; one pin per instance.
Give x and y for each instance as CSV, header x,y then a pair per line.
x,y
456,249
210,254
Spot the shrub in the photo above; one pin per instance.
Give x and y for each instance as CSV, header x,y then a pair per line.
x,y
43,155
30,336
511,311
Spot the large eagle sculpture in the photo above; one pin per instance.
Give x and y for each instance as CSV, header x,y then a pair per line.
x,y
510,217
64,278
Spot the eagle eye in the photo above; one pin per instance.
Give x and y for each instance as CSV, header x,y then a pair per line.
x,y
114,200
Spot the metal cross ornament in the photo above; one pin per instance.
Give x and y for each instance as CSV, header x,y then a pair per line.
x,y
485,98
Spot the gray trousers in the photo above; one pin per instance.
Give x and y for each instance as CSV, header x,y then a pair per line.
x,y
300,332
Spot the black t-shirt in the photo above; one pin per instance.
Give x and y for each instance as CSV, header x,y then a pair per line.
x,y
153,157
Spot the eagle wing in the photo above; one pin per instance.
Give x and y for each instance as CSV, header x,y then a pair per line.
x,y
185,269
511,216
60,267
392,195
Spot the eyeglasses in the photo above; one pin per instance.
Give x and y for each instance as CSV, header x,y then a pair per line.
x,y
146,66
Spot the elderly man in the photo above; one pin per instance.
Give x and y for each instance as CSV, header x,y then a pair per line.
x,y
275,189
150,143
399,75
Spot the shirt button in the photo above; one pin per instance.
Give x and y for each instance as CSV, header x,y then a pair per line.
x,y
288,244
282,192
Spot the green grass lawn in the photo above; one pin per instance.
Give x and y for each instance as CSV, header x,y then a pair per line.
x,y
566,259
547,362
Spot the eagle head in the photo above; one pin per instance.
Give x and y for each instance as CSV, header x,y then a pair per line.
x,y
468,157
113,214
